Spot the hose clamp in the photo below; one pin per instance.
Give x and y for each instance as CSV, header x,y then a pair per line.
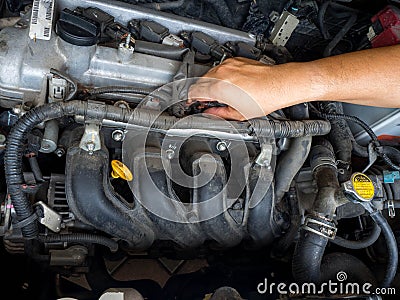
x,y
391,209
319,228
323,161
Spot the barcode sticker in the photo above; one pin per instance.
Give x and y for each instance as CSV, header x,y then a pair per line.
x,y
41,19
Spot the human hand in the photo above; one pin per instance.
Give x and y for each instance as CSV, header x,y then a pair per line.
x,y
236,82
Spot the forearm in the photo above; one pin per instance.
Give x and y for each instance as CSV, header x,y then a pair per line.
x,y
369,77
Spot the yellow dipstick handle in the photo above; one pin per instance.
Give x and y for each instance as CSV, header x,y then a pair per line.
x,y
119,170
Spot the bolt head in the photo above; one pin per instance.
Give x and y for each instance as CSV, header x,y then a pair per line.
x,y
221,146
2,138
117,135
170,154
60,152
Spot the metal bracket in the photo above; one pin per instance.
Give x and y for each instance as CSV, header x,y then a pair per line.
x,y
50,219
372,156
265,156
391,210
90,141
283,28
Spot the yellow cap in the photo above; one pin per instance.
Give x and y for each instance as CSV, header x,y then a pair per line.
x,y
363,186
119,170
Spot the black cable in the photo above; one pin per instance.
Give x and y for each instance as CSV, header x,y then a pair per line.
x,y
352,119
81,238
119,89
369,131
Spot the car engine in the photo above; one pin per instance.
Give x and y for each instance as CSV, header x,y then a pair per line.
x,y
104,158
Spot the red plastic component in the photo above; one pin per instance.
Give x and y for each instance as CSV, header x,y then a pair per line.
x,y
389,19
389,138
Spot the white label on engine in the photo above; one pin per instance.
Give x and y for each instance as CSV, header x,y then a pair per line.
x,y
41,19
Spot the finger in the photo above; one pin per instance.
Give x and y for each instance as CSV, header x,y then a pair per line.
x,y
227,113
200,92
196,93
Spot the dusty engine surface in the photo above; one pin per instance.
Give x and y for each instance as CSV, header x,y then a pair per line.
x,y
103,155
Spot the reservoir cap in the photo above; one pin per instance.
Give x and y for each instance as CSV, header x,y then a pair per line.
x,y
77,29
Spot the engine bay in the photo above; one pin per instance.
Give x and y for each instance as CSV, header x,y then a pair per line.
x,y
104,159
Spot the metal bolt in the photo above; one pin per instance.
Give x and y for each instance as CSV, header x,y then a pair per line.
x,y
17,110
128,40
118,135
90,147
221,146
2,139
121,104
170,154
60,152
45,146
237,205
25,286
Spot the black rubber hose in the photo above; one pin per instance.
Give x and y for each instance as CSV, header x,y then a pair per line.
x,y
396,191
160,50
392,153
359,150
307,257
389,162
81,238
340,35
391,244
322,13
37,173
341,139
321,19
310,247
361,244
